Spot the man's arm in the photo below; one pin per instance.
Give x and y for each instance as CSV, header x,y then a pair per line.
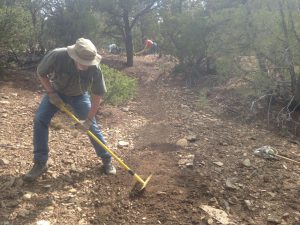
x,y
53,96
87,123
96,99
46,83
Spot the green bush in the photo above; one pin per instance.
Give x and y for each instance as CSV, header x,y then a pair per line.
x,y
120,88
185,36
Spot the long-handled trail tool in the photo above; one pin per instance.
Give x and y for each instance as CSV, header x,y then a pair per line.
x,y
268,152
139,180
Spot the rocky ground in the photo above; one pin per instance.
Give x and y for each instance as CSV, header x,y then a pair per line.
x,y
203,163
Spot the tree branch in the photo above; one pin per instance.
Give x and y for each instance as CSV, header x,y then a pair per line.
x,y
147,9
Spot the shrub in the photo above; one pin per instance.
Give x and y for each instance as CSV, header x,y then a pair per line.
x,y
120,88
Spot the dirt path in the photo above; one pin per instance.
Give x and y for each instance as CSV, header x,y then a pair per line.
x,y
224,175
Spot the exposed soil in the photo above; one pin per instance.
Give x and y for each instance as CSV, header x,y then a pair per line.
x,y
224,173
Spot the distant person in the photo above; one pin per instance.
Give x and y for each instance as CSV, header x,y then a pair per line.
x,y
148,48
148,43
111,48
114,49
154,48
66,75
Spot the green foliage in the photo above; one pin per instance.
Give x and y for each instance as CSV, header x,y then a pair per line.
x,y
75,17
186,36
224,65
202,100
15,32
15,27
192,31
120,88
148,27
122,17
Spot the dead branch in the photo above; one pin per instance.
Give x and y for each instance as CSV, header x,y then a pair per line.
x,y
269,109
285,115
260,98
288,114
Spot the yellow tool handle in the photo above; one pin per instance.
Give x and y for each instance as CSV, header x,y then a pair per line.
x,y
63,108
137,177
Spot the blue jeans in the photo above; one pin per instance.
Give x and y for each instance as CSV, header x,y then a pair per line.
x,y
81,105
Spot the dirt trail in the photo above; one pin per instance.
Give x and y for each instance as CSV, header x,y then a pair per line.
x,y
224,175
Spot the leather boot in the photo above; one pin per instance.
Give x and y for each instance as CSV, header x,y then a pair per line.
x,y
108,167
37,170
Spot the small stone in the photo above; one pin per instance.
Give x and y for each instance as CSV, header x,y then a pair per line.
x,y
3,162
27,196
73,191
23,212
218,163
230,185
187,161
210,221
182,142
81,222
50,162
23,163
273,219
12,203
191,137
247,163
8,184
4,102
125,109
224,143
248,204
285,215
49,208
19,182
47,187
272,194
43,222
122,144
68,161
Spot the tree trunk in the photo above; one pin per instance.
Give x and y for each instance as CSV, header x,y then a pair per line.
x,y
251,35
128,39
289,57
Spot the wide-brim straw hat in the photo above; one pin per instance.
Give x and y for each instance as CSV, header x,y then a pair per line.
x,y
84,52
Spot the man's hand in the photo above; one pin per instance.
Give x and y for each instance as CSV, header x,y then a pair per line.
x,y
56,100
84,125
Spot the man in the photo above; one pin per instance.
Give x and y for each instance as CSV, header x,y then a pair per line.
x,y
154,48
67,74
148,46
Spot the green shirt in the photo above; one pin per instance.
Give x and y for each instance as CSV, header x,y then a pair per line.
x,y
66,79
